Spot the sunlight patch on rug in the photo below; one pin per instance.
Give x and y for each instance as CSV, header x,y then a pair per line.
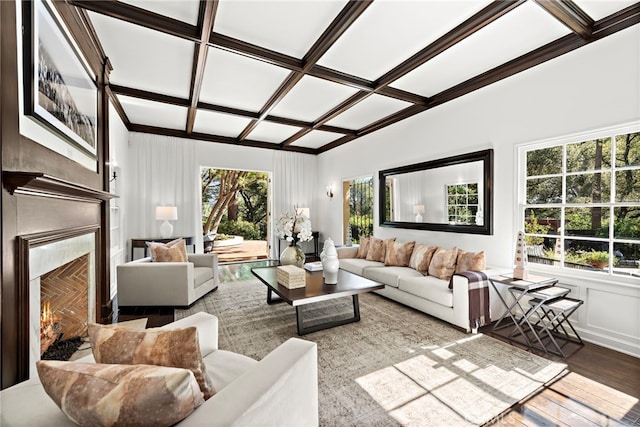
x,y
468,382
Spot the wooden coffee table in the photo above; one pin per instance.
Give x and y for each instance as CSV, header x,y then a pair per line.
x,y
315,291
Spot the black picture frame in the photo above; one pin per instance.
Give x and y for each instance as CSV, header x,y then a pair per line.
x,y
485,156
59,90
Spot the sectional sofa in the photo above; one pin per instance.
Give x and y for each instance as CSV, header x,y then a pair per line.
x,y
407,269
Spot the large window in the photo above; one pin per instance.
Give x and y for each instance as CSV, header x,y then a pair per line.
x,y
581,204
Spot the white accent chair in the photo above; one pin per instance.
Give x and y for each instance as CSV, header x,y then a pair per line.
x,y
279,390
146,283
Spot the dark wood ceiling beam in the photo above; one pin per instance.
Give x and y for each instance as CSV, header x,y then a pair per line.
x,y
206,18
570,14
341,108
618,21
214,138
605,27
478,21
338,26
308,125
138,16
116,104
347,16
255,52
149,96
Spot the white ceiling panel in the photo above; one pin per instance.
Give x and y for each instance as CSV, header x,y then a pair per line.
x,y
520,31
145,59
182,10
150,113
316,139
373,108
311,98
219,123
598,9
389,32
238,81
272,132
289,27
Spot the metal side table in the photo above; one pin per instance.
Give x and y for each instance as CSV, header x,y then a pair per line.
x,y
552,317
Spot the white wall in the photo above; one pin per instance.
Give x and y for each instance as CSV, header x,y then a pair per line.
x,y
593,87
118,141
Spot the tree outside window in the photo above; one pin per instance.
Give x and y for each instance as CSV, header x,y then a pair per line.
x,y
582,204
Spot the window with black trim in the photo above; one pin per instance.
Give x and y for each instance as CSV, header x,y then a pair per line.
x,y
581,205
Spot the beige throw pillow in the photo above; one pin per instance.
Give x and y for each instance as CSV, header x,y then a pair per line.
x,y
421,257
470,261
93,394
398,253
377,249
363,248
177,348
173,251
443,263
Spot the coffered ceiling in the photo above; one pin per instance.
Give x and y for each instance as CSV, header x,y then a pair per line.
x,y
311,75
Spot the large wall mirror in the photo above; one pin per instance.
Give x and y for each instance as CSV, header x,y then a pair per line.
x,y
451,194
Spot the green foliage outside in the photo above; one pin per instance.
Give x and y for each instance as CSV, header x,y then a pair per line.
x,y
361,226
591,179
246,229
234,203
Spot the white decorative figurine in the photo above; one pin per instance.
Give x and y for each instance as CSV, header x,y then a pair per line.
x,y
520,259
330,263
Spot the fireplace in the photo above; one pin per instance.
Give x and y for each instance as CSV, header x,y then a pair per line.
x,y
62,288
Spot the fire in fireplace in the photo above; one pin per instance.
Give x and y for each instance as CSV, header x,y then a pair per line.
x,y
49,327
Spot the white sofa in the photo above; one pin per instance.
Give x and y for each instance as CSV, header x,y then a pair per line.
x,y
425,293
279,390
145,283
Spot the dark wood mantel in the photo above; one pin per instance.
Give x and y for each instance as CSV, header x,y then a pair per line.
x,y
41,184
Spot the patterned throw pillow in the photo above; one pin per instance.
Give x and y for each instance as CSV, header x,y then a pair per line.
x,y
377,249
421,257
470,261
363,248
92,394
173,251
398,254
177,348
443,263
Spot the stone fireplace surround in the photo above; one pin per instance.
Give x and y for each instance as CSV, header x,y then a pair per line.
x,y
41,213
45,258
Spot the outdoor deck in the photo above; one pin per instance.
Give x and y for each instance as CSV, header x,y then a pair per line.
x,y
245,251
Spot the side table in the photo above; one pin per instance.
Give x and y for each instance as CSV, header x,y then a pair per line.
x,y
141,243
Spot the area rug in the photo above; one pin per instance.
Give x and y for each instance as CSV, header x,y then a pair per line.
x,y
397,366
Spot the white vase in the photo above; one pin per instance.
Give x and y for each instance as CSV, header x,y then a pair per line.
x,y
292,254
330,264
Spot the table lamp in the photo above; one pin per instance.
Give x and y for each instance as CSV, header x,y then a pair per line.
x,y
418,210
166,214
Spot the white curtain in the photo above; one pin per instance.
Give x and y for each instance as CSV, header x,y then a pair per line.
x,y
164,172
294,183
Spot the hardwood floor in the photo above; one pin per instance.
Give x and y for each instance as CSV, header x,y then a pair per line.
x,y
601,388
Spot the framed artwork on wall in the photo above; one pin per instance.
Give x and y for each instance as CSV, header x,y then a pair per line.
x,y
59,90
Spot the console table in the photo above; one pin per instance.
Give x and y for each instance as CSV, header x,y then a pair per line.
x,y
141,243
316,245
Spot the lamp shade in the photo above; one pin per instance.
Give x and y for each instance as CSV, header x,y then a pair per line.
x,y
166,213
304,212
418,209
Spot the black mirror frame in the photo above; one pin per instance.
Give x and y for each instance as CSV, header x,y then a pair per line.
x,y
486,156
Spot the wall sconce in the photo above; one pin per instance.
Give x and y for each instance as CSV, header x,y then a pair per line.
x,y
329,191
166,214
418,210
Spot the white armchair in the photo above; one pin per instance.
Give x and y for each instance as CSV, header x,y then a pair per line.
x,y
145,283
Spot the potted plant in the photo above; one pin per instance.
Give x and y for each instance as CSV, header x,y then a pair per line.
x,y
598,259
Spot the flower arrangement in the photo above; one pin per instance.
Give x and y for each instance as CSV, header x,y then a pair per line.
x,y
294,227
